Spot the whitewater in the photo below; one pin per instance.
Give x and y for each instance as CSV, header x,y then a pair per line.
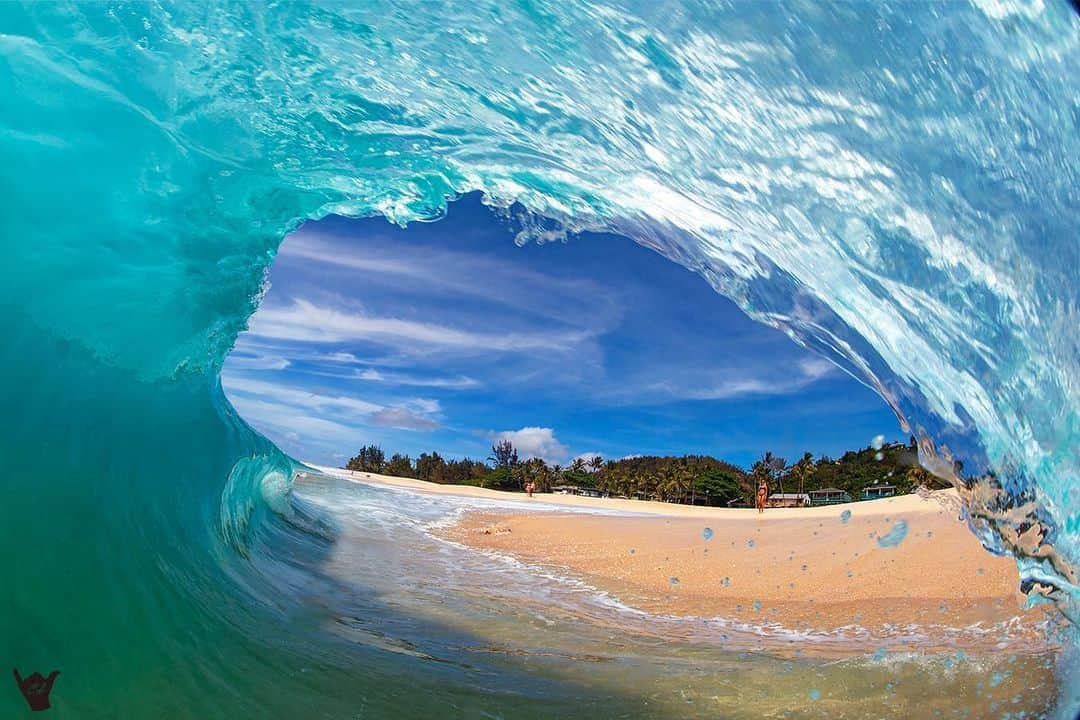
x,y
893,185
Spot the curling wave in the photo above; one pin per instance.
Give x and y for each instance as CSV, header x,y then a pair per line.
x,y
894,186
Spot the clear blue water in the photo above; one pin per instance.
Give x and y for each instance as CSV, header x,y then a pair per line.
x,y
895,185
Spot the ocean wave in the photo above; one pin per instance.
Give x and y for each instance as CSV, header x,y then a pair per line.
x,y
894,186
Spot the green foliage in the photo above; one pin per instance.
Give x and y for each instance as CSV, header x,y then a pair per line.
x,y
400,466
430,467
581,478
499,479
535,471
893,464
696,479
434,468
720,486
369,459
464,472
503,454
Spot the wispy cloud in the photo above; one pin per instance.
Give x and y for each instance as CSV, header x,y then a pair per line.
x,y
815,368
305,321
297,426
403,419
284,394
744,381
458,383
473,275
305,407
242,359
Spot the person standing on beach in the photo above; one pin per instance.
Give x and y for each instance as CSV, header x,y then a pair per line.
x,y
529,487
762,495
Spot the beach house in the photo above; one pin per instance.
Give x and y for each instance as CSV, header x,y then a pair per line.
x,y
878,491
788,500
828,496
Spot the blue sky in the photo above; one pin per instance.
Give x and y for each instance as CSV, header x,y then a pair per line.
x,y
447,336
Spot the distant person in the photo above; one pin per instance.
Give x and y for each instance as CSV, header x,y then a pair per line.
x,y
530,487
762,495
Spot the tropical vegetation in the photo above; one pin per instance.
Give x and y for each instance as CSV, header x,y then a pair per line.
x,y
692,479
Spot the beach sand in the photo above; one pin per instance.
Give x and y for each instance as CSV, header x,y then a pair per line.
x,y
807,569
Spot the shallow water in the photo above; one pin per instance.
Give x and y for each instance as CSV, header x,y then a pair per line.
x,y
500,623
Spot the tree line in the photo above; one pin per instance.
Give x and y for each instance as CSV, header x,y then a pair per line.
x,y
693,479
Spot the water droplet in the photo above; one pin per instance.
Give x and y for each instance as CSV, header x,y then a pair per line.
x,y
757,605
880,653
996,679
674,581
749,543
707,533
815,695
895,536
845,516
726,581
879,456
878,442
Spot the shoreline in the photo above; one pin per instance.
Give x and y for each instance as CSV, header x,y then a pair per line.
x,y
803,570
863,508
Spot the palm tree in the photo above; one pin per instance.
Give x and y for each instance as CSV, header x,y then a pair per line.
x,y
774,466
557,474
803,470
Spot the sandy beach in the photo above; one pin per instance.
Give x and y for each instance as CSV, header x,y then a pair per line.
x,y
811,569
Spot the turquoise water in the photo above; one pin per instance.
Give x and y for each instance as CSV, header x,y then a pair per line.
x,y
895,185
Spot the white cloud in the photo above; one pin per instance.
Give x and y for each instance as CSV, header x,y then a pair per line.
x,y
530,442
279,420
570,300
245,360
283,394
403,419
455,383
427,406
815,368
277,405
305,321
806,372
